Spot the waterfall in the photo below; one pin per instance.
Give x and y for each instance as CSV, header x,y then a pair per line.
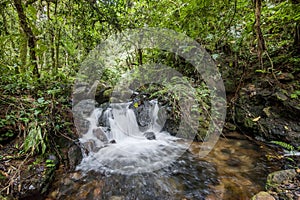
x,y
126,138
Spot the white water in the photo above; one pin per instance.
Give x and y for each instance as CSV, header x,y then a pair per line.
x,y
132,152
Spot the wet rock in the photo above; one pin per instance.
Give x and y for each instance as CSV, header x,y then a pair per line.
x,y
91,190
76,176
82,125
90,146
84,108
84,91
103,94
81,111
172,127
99,134
278,177
74,156
263,196
277,114
150,135
141,108
112,142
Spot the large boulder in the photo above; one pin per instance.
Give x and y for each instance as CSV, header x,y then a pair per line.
x,y
268,114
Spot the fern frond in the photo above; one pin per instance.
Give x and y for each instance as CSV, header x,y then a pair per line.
x,y
284,145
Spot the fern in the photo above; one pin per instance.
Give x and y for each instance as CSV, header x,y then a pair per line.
x,y
284,145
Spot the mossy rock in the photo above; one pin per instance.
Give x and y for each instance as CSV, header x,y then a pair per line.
x,y
276,178
263,196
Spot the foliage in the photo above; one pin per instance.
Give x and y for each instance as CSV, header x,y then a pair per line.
x,y
284,145
65,32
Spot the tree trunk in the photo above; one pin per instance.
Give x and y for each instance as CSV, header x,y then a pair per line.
x,y
23,51
259,36
30,36
297,39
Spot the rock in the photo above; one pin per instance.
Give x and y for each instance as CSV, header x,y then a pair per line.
x,y
103,94
141,108
90,146
74,156
82,125
112,142
116,198
99,134
90,190
150,135
83,91
84,108
278,177
278,114
75,176
263,196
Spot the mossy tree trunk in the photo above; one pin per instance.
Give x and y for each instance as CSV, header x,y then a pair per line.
x,y
31,39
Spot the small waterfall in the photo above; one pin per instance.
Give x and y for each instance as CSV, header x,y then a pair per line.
x,y
126,138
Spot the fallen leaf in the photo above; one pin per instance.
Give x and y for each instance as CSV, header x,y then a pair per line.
x,y
256,119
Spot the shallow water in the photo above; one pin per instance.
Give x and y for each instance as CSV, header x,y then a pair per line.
x,y
166,168
241,165
234,169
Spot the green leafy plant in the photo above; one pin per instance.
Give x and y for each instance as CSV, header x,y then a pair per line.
x,y
50,163
295,94
284,145
35,140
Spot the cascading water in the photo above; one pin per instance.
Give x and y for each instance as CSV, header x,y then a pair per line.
x,y
128,140
128,155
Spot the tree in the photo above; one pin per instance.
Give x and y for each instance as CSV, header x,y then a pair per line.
x,y
261,47
31,39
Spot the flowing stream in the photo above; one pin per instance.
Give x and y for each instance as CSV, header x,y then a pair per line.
x,y
122,146
129,155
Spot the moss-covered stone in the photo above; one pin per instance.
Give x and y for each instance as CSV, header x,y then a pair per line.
x,y
263,196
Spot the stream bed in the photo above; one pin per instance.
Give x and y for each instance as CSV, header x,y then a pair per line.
x,y
128,155
234,169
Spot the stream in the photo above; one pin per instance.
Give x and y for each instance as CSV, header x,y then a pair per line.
x,y
129,155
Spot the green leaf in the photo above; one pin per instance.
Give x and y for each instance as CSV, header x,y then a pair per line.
x,y
284,145
41,100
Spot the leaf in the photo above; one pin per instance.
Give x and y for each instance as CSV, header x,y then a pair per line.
x,y
284,145
41,100
256,119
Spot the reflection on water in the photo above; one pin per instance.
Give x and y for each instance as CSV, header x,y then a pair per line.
x,y
242,168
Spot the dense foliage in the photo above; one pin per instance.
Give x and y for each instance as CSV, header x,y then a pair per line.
x,y
43,43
